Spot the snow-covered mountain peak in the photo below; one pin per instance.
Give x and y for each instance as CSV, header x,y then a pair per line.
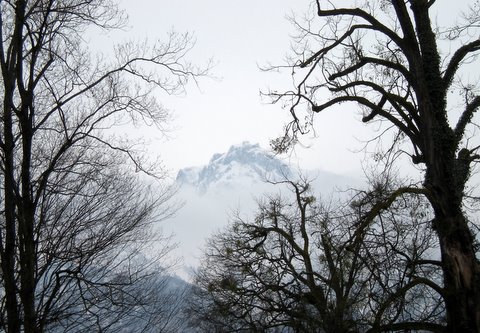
x,y
244,163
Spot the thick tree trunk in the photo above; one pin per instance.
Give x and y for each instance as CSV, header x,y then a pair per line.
x,y
461,274
461,269
445,178
446,175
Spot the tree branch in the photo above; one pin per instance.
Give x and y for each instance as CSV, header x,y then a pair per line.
x,y
383,204
395,100
376,61
465,119
456,59
330,47
376,110
357,12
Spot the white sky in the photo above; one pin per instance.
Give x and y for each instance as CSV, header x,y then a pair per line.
x,y
240,36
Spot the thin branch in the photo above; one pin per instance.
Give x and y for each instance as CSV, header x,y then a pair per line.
x,y
330,47
383,204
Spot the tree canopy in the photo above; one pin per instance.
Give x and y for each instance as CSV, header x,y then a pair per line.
x,y
297,266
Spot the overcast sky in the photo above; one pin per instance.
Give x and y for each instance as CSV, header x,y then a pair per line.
x,y
240,36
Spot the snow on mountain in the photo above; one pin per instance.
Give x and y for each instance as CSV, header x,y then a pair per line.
x,y
231,182
242,162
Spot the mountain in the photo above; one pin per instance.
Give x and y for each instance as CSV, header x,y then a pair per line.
x,y
229,184
240,165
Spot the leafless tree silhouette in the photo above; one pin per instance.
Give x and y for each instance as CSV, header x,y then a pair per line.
x,y
74,214
385,57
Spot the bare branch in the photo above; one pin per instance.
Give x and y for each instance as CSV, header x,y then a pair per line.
x,y
357,12
376,110
456,60
378,207
466,118
363,61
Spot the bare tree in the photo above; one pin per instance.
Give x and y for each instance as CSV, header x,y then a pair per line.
x,y
385,57
73,214
94,227
293,269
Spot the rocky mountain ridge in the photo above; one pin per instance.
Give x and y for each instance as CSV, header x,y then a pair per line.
x,y
243,163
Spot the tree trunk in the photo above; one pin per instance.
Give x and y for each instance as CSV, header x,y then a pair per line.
x,y
9,239
445,179
27,270
461,274
28,255
461,270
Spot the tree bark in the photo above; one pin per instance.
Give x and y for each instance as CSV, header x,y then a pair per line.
x,y
8,249
446,182
460,270
9,252
28,255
